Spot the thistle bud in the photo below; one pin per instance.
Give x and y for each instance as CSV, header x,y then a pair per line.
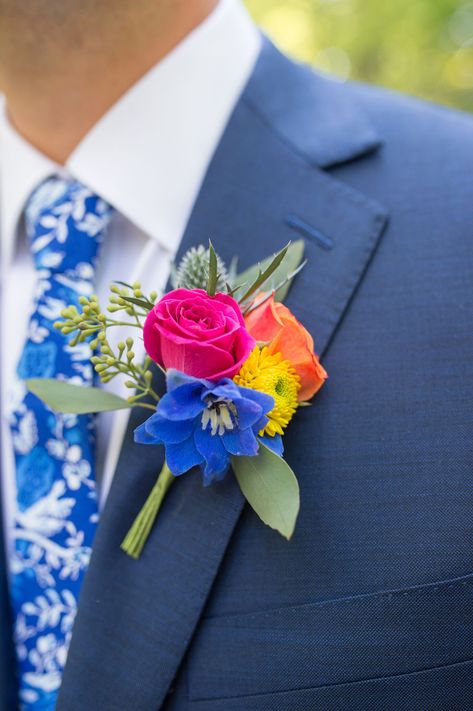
x,y
193,270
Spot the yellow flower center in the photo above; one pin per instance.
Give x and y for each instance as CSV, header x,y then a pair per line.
x,y
272,375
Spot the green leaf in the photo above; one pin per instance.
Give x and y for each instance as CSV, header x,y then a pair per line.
x,y
213,275
145,304
270,487
76,399
289,263
265,272
282,287
233,270
123,283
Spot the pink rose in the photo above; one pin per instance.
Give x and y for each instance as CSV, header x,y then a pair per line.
x,y
198,334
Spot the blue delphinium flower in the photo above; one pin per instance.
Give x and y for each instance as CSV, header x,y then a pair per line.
x,y
204,424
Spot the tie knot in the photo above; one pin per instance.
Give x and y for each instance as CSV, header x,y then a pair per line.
x,y
65,225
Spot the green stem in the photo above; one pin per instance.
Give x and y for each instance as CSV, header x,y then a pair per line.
x,y
145,404
137,536
110,322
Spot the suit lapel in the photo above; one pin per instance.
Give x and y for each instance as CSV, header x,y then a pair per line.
x,y
264,187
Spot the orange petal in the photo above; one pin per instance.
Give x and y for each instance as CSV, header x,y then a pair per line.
x,y
263,322
293,344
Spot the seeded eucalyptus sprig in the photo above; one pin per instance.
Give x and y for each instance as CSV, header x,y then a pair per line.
x,y
92,323
91,320
108,364
130,298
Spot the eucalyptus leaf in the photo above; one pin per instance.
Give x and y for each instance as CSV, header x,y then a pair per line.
x,y
75,399
278,279
270,487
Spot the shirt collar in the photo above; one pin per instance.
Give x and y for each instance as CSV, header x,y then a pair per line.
x,y
22,167
148,154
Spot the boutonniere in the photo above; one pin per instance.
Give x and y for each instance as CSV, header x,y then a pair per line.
x,y
238,365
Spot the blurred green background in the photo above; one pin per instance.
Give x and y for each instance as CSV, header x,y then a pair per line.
x,y
422,47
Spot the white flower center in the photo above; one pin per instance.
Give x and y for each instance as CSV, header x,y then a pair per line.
x,y
221,414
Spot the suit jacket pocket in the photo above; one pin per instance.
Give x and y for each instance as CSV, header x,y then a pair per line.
x,y
334,642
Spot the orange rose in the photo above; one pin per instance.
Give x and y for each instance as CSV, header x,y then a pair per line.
x,y
272,322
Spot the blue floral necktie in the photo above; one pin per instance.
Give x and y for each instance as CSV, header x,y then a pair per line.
x,y
56,511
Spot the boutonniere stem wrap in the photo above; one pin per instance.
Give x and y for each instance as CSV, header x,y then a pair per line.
x,y
238,365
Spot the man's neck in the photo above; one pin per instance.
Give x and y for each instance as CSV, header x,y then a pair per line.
x,y
56,109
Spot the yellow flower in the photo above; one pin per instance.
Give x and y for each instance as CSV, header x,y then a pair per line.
x,y
272,375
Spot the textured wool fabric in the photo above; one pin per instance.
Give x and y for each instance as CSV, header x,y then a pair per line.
x,y
369,607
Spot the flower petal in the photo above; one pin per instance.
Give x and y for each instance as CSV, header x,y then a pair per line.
x,y
225,388
265,401
249,412
241,443
142,436
261,424
169,431
217,459
183,403
200,358
183,456
264,321
275,444
175,378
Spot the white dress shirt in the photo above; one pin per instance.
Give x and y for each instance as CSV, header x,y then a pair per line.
x,y
147,156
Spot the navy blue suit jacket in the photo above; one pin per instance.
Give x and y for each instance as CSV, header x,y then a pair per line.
x,y
370,606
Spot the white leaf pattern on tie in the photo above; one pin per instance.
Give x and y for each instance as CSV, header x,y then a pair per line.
x,y
56,512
